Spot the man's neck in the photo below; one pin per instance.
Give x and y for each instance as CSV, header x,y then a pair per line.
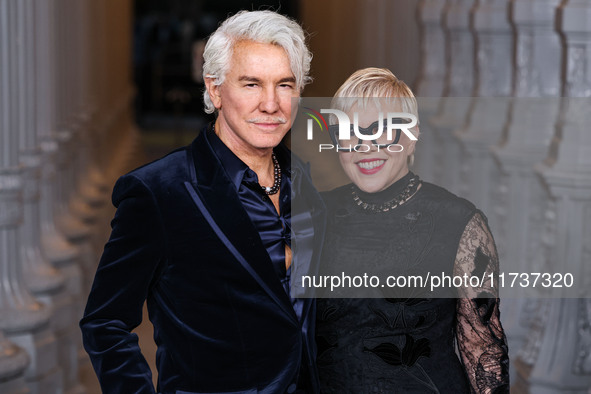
x,y
258,160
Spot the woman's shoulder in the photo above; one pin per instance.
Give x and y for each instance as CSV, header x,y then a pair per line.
x,y
442,199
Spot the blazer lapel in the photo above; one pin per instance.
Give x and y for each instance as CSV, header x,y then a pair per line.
x,y
308,226
216,197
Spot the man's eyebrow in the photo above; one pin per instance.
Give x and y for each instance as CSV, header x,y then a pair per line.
x,y
288,79
246,78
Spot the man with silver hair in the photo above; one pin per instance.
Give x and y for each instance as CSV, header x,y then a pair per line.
x,y
204,235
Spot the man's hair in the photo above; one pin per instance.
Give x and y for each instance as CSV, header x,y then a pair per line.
x,y
266,27
377,85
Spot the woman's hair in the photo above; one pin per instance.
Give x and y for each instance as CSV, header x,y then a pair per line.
x,y
376,86
265,27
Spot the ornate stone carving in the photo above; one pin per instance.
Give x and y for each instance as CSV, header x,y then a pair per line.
x,y
583,358
432,75
10,198
528,354
579,79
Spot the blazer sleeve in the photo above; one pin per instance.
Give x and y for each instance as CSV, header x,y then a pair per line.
x,y
125,273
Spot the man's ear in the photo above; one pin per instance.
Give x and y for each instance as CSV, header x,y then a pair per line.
x,y
214,92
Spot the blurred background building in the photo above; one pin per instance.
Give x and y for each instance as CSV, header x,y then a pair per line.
x,y
90,89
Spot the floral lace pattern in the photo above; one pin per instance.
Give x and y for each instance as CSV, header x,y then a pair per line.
x,y
405,342
480,336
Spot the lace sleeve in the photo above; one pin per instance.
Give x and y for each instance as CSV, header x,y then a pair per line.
x,y
481,340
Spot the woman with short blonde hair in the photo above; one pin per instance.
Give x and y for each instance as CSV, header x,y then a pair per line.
x,y
392,227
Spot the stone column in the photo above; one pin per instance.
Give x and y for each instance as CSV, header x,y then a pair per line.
x,y
525,142
66,121
98,189
13,362
13,359
431,79
557,358
24,319
59,250
90,197
44,280
459,86
65,129
74,216
41,277
430,82
487,117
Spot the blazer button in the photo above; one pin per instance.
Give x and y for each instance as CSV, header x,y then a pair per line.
x,y
292,388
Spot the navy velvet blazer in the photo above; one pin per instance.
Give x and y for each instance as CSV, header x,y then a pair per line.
x,y
222,321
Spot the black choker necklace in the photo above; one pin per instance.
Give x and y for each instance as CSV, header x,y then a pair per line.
x,y
276,178
409,191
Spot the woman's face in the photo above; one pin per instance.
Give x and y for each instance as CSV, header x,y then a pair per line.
x,y
373,169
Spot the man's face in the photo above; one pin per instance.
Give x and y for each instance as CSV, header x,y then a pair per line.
x,y
255,100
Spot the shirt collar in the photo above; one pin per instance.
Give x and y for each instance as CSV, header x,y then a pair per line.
x,y
235,168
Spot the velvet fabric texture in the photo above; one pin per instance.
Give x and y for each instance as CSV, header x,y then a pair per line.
x,y
274,229
222,320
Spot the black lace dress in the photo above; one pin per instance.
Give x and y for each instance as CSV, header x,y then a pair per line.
x,y
410,343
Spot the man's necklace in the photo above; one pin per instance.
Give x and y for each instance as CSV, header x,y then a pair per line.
x,y
410,189
276,178
276,173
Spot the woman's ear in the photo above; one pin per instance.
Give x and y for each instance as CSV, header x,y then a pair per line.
x,y
214,92
410,150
